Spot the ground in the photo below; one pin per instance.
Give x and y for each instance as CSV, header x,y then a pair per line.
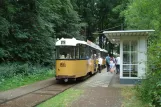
x,y
100,90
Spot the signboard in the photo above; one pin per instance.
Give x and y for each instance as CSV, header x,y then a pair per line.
x,y
63,42
62,64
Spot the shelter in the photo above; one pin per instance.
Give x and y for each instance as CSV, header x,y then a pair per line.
x,y
133,49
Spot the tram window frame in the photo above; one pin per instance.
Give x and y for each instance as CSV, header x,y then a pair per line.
x,y
102,54
87,52
77,52
82,51
66,51
94,52
97,53
91,53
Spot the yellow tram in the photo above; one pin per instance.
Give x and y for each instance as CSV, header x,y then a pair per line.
x,y
75,59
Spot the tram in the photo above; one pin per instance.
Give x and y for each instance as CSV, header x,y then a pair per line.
x,y
75,59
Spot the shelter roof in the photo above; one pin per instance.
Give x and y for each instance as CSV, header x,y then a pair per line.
x,y
114,36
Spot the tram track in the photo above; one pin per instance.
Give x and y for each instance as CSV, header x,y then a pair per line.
x,y
37,96
34,98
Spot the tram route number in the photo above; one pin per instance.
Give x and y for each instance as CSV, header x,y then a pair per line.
x,y
62,64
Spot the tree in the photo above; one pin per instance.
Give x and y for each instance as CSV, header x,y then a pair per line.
x,y
28,29
145,14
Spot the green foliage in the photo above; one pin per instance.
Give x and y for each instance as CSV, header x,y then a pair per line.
x,y
13,75
130,99
149,92
98,15
28,29
12,69
145,14
21,80
64,99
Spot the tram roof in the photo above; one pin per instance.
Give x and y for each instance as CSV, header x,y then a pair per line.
x,y
91,44
114,36
69,42
103,50
74,42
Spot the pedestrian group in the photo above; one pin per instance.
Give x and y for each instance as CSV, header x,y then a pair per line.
x,y
112,63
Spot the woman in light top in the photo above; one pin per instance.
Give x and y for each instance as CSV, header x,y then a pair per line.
x,y
112,64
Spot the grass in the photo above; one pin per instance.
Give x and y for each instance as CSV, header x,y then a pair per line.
x,y
20,80
62,100
130,98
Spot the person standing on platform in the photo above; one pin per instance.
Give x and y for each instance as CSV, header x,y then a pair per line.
x,y
118,64
108,62
112,64
99,64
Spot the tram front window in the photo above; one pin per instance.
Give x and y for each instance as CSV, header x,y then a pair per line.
x,y
65,52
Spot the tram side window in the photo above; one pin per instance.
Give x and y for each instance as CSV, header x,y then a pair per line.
x,y
82,51
91,53
87,52
77,52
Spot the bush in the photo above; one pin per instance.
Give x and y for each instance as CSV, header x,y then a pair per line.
x,y
150,90
8,70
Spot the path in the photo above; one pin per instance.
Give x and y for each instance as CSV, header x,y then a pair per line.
x,y
99,92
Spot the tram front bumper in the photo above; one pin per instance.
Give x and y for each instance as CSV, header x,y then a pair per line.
x,y
65,77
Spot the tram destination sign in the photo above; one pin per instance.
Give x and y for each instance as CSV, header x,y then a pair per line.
x,y
63,42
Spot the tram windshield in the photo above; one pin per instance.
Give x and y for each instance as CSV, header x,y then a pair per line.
x,y
72,52
65,52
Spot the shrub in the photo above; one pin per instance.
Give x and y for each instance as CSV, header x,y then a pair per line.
x,y
8,70
149,91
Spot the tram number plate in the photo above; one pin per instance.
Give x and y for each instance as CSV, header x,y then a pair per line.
x,y
62,65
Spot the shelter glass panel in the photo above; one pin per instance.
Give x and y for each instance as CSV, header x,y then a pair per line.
x,y
130,70
126,46
130,58
126,57
134,46
126,70
134,58
134,70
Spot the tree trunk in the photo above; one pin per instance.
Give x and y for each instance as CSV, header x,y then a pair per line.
x,y
1,3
